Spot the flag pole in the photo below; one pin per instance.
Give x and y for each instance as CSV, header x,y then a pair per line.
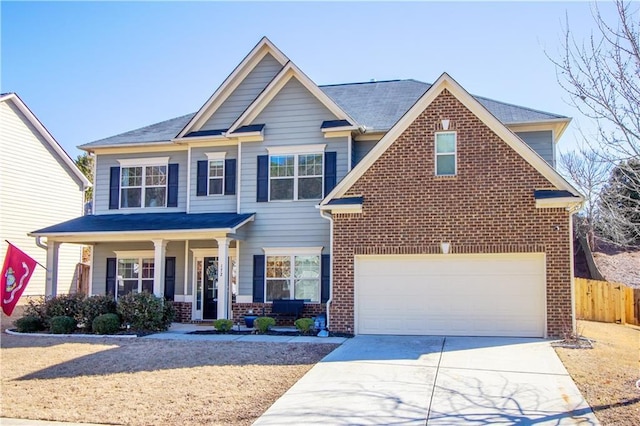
x,y
37,263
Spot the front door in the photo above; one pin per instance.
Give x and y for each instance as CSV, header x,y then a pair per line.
x,y
210,288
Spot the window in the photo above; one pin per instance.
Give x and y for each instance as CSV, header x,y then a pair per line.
x,y
293,277
216,177
143,184
295,176
135,275
445,154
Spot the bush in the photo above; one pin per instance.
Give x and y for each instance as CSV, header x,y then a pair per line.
x,y
106,324
63,324
95,306
29,324
223,325
305,325
263,324
68,305
145,312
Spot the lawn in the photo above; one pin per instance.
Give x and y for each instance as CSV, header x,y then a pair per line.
x,y
606,375
143,382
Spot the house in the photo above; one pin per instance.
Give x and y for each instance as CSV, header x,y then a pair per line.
x,y
396,207
46,188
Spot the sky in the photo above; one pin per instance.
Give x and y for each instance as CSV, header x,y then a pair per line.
x,y
90,70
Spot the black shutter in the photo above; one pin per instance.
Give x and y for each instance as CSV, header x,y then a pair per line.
x,y
262,195
330,172
172,189
229,177
114,188
203,176
325,277
258,278
169,278
111,276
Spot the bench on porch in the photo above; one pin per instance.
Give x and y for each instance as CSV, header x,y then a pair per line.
x,y
287,308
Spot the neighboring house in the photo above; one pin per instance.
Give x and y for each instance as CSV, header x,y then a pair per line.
x,y
345,196
40,185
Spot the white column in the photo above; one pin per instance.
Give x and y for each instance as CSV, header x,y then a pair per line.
x,y
223,277
160,247
51,286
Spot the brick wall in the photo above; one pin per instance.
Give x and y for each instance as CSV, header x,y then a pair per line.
x,y
241,309
183,311
488,207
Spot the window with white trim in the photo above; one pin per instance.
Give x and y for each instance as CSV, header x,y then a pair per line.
x,y
293,277
296,176
216,177
446,154
143,186
135,275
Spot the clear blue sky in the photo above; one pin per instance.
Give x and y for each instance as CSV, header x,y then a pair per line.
x,y
93,70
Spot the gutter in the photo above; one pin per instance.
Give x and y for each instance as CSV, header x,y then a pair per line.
x,y
328,304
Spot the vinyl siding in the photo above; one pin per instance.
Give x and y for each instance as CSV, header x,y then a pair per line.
x,y
360,149
102,251
244,94
104,164
211,203
542,143
293,117
38,190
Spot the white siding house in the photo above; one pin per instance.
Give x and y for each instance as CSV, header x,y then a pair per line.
x,y
39,186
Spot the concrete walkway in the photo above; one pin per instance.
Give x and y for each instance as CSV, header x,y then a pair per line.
x,y
376,380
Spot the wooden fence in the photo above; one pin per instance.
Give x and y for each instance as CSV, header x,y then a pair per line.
x,y
607,302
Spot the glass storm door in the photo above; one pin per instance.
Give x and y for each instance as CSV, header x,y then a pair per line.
x,y
210,288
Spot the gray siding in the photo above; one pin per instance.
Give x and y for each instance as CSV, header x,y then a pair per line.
x,y
211,203
542,143
362,148
102,251
293,117
244,94
104,164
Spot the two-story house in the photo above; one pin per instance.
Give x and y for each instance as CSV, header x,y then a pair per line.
x,y
396,207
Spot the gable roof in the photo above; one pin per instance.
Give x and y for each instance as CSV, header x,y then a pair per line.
x,y
289,71
234,79
478,109
48,137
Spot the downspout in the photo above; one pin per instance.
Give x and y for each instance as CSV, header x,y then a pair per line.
x,y
330,219
40,244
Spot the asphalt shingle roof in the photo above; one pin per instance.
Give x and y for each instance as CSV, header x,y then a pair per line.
x,y
375,105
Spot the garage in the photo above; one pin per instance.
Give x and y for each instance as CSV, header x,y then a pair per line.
x,y
452,294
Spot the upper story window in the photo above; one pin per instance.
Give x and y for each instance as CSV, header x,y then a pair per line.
x,y
296,175
216,173
143,186
446,154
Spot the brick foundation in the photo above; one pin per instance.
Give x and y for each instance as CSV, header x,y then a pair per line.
x,y
183,311
241,309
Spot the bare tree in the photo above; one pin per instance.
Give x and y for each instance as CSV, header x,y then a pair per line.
x,y
602,77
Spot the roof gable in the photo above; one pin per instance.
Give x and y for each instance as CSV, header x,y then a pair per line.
x,y
48,137
263,48
473,105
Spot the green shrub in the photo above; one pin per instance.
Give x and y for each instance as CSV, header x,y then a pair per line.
x,y
223,325
305,325
68,305
63,324
263,324
95,306
145,312
106,324
29,324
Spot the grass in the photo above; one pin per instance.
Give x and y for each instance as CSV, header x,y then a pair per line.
x,y
142,382
606,375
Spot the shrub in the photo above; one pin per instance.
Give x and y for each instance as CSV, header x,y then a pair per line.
x,y
63,324
223,325
263,324
106,324
95,306
29,324
145,312
69,305
305,325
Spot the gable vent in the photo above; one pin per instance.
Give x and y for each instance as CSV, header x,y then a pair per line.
x,y
444,125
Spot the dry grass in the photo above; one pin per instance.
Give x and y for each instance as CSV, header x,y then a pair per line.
x,y
148,382
606,375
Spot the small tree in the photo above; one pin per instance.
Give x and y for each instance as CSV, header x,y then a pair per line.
x,y
619,207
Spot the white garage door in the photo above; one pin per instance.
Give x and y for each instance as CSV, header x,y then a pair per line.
x,y
464,295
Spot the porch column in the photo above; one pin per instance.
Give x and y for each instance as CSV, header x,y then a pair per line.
x,y
223,277
51,285
160,247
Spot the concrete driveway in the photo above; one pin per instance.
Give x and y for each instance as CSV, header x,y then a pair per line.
x,y
397,380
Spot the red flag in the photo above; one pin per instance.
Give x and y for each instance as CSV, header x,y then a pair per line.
x,y
16,272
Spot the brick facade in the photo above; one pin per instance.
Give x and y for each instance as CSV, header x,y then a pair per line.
x,y
488,207
183,311
241,309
